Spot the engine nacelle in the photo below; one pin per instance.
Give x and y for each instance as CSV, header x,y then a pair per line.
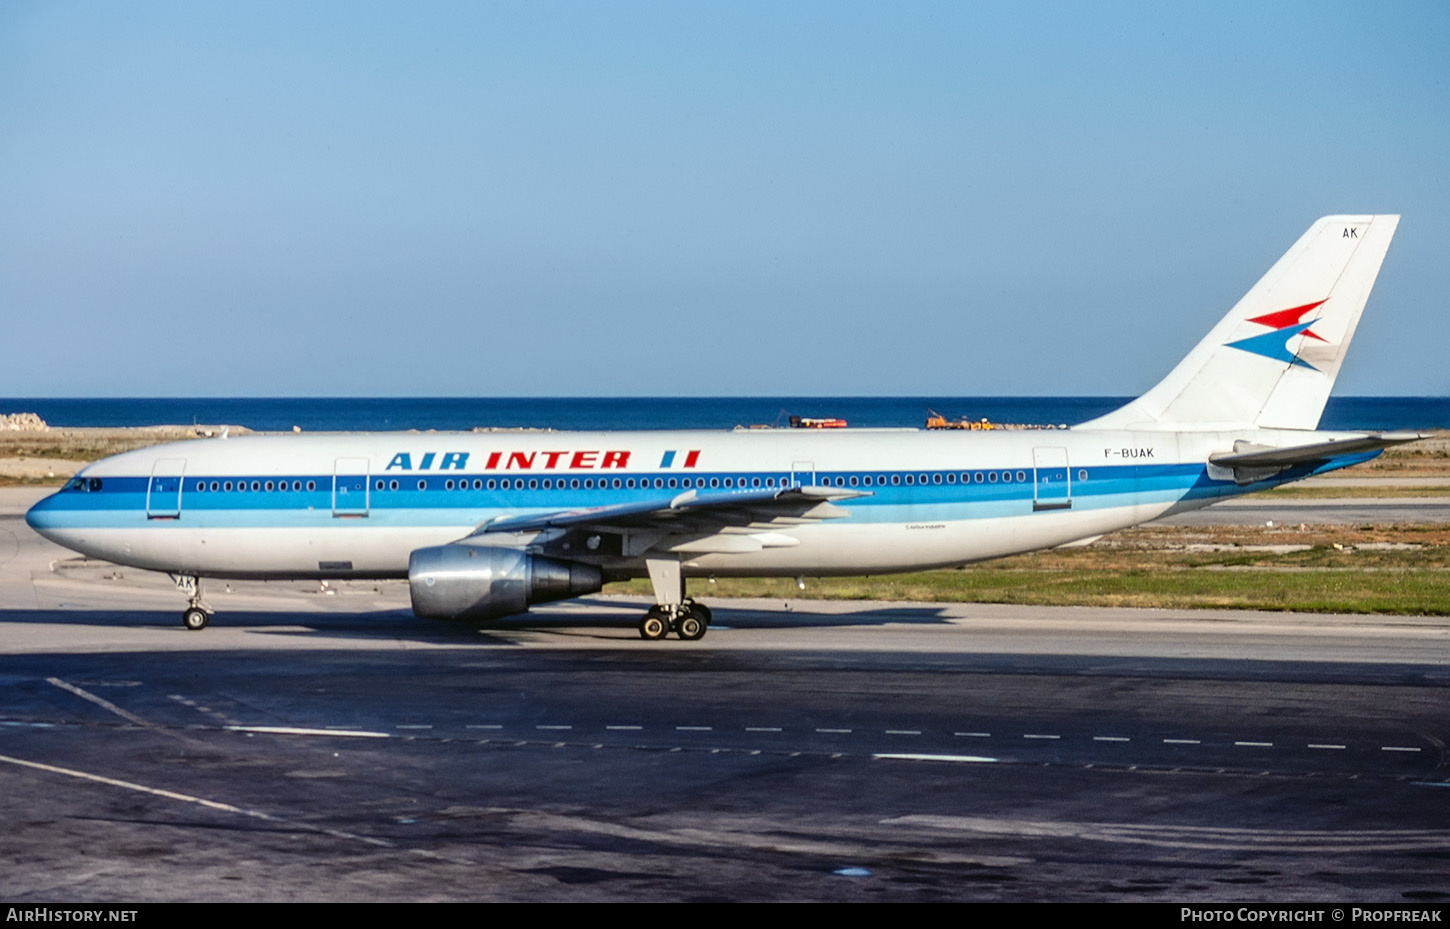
x,y
461,581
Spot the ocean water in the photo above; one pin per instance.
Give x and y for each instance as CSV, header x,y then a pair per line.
x,y
326,414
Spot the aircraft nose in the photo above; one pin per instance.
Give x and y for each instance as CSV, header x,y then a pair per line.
x,y
42,517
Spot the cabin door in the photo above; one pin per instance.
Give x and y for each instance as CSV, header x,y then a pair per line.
x,y
163,492
350,487
1052,487
802,473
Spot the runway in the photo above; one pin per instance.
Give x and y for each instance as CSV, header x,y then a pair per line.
x,y
1347,511
328,746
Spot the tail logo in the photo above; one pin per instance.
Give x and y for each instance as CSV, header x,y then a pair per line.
x,y
1283,325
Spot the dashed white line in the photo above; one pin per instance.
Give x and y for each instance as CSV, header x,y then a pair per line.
x,y
1399,748
913,756
300,730
624,728
694,728
1182,742
483,726
1255,744
1111,738
835,731
763,729
414,726
555,728
973,735
1328,745
1035,735
903,732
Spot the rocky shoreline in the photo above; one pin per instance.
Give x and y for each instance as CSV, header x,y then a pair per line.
x,y
33,452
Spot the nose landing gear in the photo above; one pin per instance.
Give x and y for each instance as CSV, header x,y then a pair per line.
x,y
197,614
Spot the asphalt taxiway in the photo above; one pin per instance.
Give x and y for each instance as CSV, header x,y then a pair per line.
x,y
322,744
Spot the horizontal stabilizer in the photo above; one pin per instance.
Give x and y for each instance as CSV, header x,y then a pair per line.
x,y
1250,456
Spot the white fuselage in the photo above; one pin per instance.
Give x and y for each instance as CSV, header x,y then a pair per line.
x,y
358,505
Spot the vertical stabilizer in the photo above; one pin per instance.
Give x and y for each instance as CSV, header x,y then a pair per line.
x,y
1271,362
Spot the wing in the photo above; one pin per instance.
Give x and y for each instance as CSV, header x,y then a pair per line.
x,y
721,521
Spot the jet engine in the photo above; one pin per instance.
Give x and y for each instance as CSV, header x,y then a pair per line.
x,y
460,581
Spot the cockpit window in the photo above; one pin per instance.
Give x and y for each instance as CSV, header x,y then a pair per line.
x,y
84,484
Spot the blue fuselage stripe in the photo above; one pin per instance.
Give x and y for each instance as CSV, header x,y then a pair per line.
x,y
468,498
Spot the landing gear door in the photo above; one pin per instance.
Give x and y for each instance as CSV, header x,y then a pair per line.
x,y
163,492
350,487
1052,487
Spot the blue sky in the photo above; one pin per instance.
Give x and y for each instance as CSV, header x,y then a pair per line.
x,y
505,199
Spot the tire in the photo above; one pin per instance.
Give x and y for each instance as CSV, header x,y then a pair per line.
x,y
691,626
653,627
195,619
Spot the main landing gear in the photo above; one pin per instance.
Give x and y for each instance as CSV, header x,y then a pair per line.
x,y
197,614
688,620
673,611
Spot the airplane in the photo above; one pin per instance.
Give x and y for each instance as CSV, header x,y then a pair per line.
x,y
484,525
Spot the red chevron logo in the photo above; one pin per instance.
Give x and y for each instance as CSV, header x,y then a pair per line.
x,y
1283,319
